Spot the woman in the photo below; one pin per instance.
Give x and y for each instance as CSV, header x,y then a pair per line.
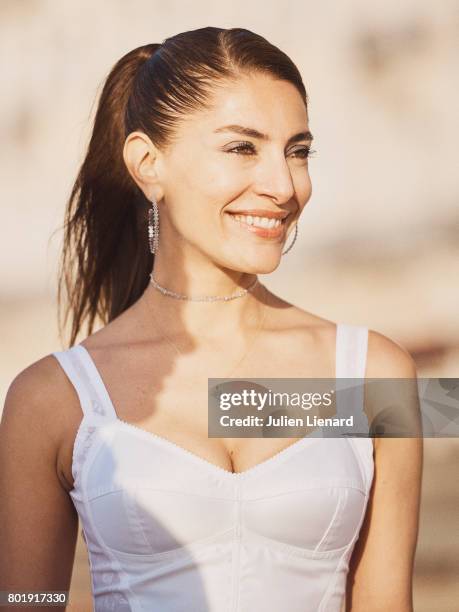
x,y
205,140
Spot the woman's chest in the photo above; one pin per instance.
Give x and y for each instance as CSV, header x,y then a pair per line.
x,y
178,410
148,496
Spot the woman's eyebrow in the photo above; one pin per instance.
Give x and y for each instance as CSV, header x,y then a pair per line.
x,y
247,131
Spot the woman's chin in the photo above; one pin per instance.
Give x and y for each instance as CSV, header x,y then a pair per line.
x,y
258,263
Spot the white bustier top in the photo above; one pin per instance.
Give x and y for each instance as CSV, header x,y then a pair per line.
x,y
168,531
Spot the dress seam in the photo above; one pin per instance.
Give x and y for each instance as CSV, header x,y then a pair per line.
x,y
332,523
115,565
333,581
328,485
237,552
360,462
332,584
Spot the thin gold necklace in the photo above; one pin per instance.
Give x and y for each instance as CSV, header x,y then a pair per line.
x,y
251,343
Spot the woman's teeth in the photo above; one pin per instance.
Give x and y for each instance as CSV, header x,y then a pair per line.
x,y
263,222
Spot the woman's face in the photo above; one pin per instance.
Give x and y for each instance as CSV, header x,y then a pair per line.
x,y
213,172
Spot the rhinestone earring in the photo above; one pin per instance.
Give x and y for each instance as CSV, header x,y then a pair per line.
x,y
153,226
293,241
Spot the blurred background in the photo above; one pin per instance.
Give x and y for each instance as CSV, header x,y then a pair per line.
x,y
378,243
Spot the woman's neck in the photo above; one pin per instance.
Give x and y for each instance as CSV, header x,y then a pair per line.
x,y
202,320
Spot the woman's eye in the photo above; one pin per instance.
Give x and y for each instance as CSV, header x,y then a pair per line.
x,y
247,148
303,152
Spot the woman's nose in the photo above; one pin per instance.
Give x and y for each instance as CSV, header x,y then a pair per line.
x,y
275,180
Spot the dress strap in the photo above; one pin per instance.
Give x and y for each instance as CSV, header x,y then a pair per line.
x,y
351,350
351,358
83,374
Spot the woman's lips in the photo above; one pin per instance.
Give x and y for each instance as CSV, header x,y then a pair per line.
x,y
263,232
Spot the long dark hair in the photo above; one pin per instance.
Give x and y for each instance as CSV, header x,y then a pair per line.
x,y
105,260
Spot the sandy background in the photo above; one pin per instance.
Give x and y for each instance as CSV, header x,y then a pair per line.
x,y
378,243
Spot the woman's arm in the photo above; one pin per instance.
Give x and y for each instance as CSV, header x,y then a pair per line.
x,y
38,522
381,567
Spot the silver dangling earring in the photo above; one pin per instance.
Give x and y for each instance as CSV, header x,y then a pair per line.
x,y
153,226
293,241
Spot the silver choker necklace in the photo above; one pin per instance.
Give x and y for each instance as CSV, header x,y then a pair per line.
x,y
203,298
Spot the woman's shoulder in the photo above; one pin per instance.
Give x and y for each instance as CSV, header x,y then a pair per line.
x,y
35,398
386,356
37,382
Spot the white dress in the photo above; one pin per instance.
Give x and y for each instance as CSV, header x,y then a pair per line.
x,y
169,531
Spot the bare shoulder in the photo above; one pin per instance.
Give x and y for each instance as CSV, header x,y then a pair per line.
x,y
35,399
386,358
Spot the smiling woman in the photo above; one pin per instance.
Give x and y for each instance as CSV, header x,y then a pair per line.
x,y
171,220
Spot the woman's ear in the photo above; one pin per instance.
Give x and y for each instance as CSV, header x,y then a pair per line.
x,y
140,156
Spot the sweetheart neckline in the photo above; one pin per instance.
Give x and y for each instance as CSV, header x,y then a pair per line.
x,y
212,466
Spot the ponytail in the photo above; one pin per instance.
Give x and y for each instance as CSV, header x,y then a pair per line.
x,y
105,264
